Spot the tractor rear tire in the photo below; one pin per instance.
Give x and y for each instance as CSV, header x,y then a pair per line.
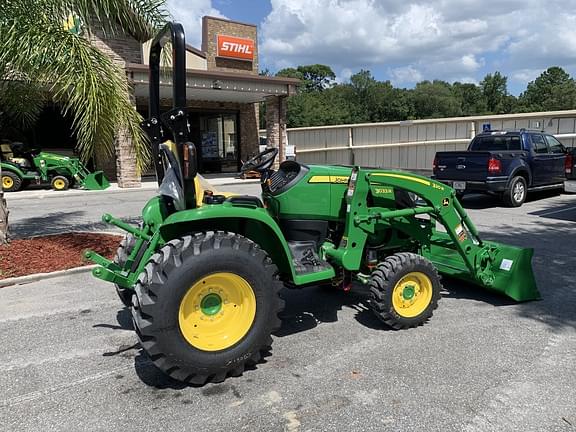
x,y
11,182
60,183
122,253
405,289
206,305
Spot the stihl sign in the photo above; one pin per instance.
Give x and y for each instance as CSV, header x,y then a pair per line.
x,y
234,47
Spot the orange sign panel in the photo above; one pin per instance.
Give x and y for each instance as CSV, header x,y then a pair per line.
x,y
235,47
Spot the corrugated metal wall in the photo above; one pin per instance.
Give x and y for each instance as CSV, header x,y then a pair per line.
x,y
411,145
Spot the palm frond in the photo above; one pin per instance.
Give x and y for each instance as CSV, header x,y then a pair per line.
x,y
80,78
70,71
21,101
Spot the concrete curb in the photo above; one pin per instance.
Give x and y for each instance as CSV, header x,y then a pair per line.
x,y
43,194
14,196
21,280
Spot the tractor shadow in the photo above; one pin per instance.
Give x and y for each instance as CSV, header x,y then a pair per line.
x,y
458,289
308,307
305,309
487,201
145,369
58,223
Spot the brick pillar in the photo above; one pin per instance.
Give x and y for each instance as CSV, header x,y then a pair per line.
x,y
248,131
128,175
276,135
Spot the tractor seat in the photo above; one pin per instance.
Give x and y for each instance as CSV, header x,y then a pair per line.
x,y
6,151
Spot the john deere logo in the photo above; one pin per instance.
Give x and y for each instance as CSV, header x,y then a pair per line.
x,y
445,202
73,24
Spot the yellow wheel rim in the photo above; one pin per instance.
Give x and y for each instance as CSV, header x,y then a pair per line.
x,y
7,182
217,311
412,294
59,184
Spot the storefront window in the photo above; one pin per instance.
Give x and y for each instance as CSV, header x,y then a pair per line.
x,y
219,145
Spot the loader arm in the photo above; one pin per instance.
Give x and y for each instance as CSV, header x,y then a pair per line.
x,y
459,252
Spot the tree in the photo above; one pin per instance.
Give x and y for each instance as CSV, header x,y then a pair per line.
x,y
435,99
46,53
315,78
472,101
494,88
553,90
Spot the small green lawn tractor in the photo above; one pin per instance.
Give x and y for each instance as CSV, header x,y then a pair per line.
x,y
60,172
202,274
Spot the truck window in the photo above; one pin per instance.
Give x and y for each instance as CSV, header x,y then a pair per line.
x,y
555,145
496,143
538,144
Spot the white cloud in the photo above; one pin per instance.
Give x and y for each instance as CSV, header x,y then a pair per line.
x,y
344,75
444,39
405,75
454,40
524,76
190,13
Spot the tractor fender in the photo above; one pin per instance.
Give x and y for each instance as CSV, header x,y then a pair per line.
x,y
10,167
253,223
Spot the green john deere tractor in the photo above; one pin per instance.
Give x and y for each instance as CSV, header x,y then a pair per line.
x,y
38,167
202,274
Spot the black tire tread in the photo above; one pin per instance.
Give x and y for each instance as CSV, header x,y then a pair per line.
x,y
66,182
17,185
381,288
508,194
122,253
151,281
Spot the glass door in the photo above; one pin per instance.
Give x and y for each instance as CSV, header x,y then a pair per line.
x,y
218,143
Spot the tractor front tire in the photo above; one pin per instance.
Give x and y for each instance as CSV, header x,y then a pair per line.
x,y
60,183
405,289
11,182
122,253
206,305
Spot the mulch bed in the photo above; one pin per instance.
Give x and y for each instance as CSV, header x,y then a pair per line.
x,y
53,252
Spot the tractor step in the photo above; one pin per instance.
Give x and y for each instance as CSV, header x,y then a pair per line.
x,y
305,258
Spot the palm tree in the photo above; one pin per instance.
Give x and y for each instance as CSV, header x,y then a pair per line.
x,y
43,57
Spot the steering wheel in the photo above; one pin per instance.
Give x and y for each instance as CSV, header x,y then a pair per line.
x,y
261,162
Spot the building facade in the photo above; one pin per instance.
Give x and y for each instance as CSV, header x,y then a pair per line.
x,y
224,91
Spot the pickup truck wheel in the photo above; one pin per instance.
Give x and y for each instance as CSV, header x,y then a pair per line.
x,y
515,195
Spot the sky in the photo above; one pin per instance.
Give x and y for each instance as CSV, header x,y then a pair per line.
x,y
403,41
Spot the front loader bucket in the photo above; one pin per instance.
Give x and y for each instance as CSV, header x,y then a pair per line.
x,y
509,272
513,273
96,181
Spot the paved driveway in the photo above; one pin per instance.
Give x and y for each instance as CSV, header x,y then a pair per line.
x,y
70,361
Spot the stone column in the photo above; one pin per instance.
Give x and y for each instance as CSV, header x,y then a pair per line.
x,y
122,49
128,175
276,135
248,131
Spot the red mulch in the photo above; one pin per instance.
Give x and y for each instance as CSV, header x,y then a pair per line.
x,y
53,252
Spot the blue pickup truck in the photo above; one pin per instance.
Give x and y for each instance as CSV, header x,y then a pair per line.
x,y
506,163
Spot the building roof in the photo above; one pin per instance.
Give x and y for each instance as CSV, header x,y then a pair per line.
x,y
217,85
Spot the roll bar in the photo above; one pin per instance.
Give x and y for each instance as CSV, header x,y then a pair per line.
x,y
174,120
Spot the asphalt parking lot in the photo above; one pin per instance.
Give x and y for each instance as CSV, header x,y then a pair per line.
x,y
71,362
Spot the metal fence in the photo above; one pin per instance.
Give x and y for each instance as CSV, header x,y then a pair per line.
x,y
411,145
